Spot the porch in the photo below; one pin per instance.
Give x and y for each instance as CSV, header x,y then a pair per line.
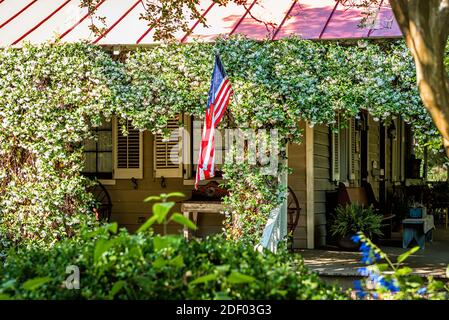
x,y
334,265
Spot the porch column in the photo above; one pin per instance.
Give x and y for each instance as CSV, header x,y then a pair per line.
x,y
283,180
310,187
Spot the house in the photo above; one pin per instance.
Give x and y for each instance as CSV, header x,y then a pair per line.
x,y
141,164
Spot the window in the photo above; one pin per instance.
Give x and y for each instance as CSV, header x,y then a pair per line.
x,y
98,153
176,156
113,155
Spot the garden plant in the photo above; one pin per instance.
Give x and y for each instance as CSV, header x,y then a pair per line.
x,y
388,280
114,264
52,95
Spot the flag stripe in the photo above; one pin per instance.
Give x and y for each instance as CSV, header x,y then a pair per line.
x,y
219,95
226,102
222,103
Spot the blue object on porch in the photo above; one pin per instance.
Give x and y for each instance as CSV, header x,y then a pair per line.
x,y
416,212
418,229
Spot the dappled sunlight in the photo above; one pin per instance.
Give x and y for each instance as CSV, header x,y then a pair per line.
x,y
432,261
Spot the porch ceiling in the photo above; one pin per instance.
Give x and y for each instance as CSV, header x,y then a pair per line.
x,y
38,21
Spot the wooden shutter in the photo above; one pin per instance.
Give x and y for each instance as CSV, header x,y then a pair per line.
x,y
402,148
128,153
396,152
167,152
335,147
187,165
352,150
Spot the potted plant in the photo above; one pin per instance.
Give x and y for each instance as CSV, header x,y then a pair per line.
x,y
352,218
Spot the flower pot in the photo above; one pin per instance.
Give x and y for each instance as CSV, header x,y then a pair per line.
x,y
347,244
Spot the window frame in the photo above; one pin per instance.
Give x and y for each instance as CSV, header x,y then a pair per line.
x,y
101,175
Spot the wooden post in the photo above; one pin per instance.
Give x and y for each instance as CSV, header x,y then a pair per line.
x,y
185,229
283,180
425,168
310,187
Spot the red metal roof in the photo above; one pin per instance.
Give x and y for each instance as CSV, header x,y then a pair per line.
x,y
38,21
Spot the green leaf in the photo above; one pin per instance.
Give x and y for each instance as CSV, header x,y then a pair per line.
x,y
403,271
4,296
112,227
175,194
237,277
160,210
179,218
204,279
405,255
159,263
220,295
223,268
177,261
116,288
102,246
152,198
9,284
383,266
35,283
160,243
147,224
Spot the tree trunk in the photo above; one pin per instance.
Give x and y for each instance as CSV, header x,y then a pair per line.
x,y
425,26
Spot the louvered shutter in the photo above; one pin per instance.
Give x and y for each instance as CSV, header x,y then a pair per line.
x,y
352,150
186,147
335,158
402,148
396,152
128,153
167,152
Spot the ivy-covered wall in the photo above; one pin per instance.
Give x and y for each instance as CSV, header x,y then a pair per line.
x,y
51,95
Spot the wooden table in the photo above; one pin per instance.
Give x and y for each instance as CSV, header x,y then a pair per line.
x,y
190,209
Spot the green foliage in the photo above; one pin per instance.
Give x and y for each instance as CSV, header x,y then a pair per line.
x,y
144,266
52,95
160,211
350,219
388,280
49,98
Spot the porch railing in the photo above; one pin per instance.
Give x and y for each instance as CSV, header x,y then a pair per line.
x,y
276,228
272,234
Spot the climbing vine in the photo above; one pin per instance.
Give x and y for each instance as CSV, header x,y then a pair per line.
x,y
52,95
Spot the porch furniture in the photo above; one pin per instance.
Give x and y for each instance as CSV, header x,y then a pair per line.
x,y
418,229
103,203
191,209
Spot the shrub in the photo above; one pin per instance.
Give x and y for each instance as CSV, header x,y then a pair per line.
x,y
52,95
353,218
148,266
388,280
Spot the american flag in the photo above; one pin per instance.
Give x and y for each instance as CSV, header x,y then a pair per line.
x,y
219,94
